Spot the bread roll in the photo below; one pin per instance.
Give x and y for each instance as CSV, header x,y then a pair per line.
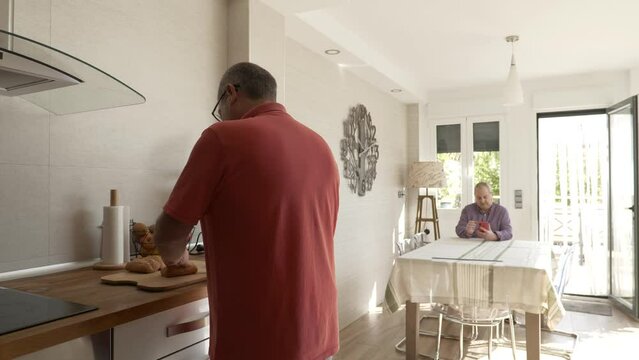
x,y
187,268
145,265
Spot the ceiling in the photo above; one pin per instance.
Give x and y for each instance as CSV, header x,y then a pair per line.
x,y
423,46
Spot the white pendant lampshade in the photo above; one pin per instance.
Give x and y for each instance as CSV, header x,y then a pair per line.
x,y
513,93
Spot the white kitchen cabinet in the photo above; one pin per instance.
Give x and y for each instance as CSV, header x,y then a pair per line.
x,y
197,351
90,347
177,333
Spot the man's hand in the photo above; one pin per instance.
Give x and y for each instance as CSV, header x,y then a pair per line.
x,y
487,234
470,227
181,269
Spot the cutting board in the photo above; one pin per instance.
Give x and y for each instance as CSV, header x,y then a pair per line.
x,y
155,281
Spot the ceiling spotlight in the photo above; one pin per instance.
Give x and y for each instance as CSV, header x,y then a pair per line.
x,y
332,52
513,93
395,90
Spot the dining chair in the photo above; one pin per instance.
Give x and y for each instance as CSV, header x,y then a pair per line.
x,y
473,307
418,240
560,280
429,315
469,315
562,258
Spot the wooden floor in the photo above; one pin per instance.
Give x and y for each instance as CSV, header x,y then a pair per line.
x,y
374,335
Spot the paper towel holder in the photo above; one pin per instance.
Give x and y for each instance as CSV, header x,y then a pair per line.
x,y
114,198
103,264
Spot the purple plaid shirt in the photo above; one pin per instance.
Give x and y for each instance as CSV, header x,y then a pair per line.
x,y
497,216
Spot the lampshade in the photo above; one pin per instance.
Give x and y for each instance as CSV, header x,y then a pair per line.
x,y
426,174
513,93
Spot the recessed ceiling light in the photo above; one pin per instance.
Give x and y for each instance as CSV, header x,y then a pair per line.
x,y
396,90
332,52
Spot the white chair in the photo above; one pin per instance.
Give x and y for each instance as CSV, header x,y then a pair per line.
x,y
416,241
562,263
563,270
476,317
471,281
560,280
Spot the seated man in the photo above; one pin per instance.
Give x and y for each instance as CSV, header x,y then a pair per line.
x,y
483,219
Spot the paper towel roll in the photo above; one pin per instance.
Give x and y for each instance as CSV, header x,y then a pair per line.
x,y
112,235
126,244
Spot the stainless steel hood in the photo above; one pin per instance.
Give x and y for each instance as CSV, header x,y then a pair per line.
x,y
53,79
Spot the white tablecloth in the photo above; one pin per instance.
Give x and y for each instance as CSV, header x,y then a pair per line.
x,y
512,273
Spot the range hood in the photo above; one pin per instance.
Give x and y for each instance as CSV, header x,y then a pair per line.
x,y
20,75
53,79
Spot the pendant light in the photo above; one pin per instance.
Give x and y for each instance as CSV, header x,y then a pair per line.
x,y
513,94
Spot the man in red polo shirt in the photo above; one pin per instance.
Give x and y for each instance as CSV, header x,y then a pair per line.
x,y
266,191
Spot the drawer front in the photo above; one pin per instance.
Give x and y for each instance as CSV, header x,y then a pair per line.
x,y
163,333
199,351
90,347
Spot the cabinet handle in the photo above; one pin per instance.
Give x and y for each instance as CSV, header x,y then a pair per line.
x,y
187,326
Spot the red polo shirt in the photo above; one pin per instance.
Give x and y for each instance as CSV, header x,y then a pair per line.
x,y
265,189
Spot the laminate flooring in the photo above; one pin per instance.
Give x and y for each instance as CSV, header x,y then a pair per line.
x,y
374,335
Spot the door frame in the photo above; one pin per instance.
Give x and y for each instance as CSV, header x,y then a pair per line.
x,y
634,312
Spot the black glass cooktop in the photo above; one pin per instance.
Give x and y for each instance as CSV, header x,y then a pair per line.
x,y
20,310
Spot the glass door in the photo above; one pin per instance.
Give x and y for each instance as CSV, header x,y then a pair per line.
x,y
623,203
573,198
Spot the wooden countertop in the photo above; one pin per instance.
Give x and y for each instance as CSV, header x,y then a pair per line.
x,y
116,305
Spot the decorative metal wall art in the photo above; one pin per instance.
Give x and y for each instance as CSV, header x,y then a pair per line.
x,y
359,150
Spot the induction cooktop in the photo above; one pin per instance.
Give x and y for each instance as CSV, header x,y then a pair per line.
x,y
20,310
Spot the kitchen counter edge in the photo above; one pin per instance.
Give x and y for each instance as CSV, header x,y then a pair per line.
x,y
116,305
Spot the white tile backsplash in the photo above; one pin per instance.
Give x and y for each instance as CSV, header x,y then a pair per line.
x,y
56,171
24,223
10,266
78,195
24,133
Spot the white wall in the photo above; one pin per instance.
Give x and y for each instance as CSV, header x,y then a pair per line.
x,y
519,150
634,81
256,33
319,95
56,171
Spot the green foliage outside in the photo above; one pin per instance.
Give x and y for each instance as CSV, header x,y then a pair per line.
x,y
450,196
487,167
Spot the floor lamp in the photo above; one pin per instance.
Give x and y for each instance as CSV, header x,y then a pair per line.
x,y
427,174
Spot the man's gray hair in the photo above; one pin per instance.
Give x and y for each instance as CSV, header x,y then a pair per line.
x,y
484,185
253,80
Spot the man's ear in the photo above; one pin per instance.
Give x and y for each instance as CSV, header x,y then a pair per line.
x,y
231,93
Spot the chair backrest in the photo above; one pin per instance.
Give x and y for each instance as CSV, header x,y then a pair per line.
x,y
471,282
416,241
400,245
563,269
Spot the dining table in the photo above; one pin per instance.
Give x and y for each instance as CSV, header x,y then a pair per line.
x,y
512,274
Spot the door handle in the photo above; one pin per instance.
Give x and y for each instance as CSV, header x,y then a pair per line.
x,y
187,326
632,208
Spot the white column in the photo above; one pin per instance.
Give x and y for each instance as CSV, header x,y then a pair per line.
x,y
256,33
412,155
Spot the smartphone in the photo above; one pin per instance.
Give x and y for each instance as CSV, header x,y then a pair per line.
x,y
484,225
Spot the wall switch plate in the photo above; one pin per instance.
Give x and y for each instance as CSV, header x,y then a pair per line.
x,y
518,199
